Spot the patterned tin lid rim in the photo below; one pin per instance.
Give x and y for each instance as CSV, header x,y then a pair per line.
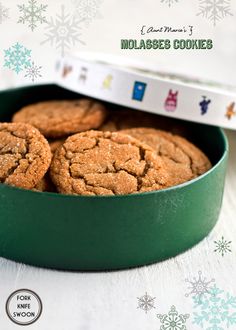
x,y
146,69
146,91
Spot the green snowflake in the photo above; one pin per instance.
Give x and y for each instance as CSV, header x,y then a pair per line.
x,y
173,320
222,246
32,13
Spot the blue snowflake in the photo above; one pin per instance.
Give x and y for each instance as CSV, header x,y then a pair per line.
x,y
215,310
17,58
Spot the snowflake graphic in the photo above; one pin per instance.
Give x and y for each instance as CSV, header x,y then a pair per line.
x,y
33,72
169,2
222,246
32,14
4,13
17,58
214,10
215,310
173,320
146,302
87,9
63,31
199,286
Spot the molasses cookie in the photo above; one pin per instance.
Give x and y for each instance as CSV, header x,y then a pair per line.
x,y
199,162
25,155
61,118
184,160
105,163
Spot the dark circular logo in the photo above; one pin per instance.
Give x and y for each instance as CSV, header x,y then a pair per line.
x,y
24,307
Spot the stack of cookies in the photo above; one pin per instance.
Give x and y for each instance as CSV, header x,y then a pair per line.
x,y
78,147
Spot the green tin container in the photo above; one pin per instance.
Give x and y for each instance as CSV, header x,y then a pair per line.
x,y
113,232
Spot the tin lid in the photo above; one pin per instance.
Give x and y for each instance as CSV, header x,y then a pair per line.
x,y
141,87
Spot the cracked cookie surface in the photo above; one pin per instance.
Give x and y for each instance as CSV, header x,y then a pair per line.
x,y
25,155
183,159
106,163
61,118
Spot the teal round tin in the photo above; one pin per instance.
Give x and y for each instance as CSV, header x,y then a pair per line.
x,y
109,232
